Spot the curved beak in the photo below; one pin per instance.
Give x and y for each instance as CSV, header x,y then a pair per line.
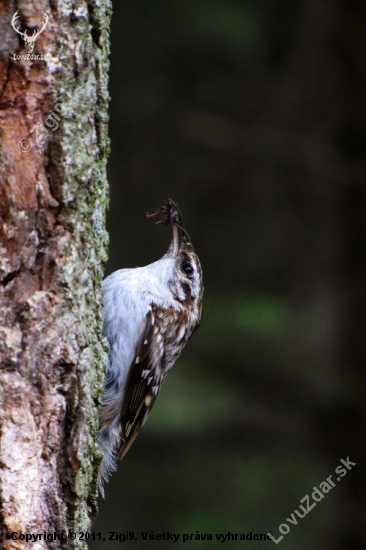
x,y
180,235
170,213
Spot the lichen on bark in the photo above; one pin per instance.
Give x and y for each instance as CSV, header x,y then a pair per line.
x,y
53,201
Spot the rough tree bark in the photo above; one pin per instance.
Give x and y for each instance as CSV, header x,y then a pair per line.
x,y
53,195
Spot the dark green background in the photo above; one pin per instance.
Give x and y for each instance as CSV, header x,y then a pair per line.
x,y
251,115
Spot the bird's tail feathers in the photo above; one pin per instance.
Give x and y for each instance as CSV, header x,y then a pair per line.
x,y
109,443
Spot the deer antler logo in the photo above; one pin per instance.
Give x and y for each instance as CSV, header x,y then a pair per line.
x,y
29,40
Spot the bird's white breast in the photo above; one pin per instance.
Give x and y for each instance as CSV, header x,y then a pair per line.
x,y
127,296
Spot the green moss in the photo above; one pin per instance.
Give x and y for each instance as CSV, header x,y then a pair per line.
x,y
79,152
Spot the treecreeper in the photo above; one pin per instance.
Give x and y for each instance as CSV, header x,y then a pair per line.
x,y
149,315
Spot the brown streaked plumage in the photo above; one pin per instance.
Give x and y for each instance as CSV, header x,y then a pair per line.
x,y
150,313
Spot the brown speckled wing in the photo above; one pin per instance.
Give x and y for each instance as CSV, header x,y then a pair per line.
x,y
143,384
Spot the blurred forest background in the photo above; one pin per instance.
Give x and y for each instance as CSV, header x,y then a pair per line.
x,y
251,114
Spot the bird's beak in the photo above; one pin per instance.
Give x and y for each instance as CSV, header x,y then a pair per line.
x,y
179,231
170,213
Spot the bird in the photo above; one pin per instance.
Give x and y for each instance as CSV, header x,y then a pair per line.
x,y
149,315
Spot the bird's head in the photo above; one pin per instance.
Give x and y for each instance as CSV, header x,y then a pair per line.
x,y
186,282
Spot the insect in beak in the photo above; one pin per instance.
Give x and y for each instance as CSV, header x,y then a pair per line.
x,y
170,213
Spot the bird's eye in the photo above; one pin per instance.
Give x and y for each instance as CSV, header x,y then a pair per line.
x,y
187,269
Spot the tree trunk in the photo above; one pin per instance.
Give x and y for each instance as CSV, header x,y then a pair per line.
x,y
53,196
